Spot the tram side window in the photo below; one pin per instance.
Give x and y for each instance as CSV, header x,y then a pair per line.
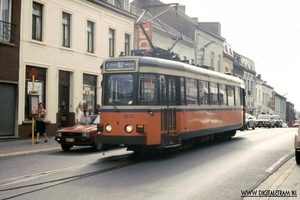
x,y
147,88
230,94
213,88
163,90
222,94
172,91
203,92
182,89
191,91
237,96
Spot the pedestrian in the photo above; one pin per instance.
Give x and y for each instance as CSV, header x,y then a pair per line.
x,y
78,107
97,109
85,107
80,114
41,123
90,110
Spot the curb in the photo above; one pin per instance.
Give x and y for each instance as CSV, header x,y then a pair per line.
x,y
28,152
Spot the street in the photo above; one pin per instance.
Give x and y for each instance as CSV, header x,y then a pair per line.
x,y
213,171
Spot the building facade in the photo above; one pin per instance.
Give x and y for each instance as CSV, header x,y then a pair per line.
x,y
228,59
279,105
66,42
290,113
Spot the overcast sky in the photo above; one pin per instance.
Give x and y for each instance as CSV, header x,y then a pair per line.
x,y
265,31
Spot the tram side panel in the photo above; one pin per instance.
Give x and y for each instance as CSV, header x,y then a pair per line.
x,y
209,121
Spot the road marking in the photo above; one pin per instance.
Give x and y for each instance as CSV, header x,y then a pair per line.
x,y
28,152
277,163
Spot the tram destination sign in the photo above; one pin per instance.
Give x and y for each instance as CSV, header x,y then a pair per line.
x,y
120,65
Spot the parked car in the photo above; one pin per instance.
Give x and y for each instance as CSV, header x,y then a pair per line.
x,y
295,125
265,120
249,121
278,121
297,146
82,134
284,125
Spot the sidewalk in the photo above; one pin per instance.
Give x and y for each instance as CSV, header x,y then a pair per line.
x,y
285,179
19,147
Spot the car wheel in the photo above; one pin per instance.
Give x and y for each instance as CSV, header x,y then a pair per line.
x,y
297,156
242,128
247,126
97,146
253,127
66,147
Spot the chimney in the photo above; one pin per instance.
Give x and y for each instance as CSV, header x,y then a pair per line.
x,y
259,76
195,19
182,8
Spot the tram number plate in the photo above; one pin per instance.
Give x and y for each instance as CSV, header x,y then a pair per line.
x,y
69,139
128,116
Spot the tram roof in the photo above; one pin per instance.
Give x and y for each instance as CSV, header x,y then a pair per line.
x,y
177,65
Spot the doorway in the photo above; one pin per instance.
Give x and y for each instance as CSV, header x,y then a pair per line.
x,y
64,99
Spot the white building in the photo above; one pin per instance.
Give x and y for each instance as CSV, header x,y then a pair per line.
x,y
249,78
66,42
210,45
280,105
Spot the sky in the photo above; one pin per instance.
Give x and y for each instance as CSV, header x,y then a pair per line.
x,y
265,31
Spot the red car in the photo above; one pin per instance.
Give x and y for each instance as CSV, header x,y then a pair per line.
x,y
82,134
295,124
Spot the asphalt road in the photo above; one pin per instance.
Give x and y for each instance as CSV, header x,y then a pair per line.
x,y
213,171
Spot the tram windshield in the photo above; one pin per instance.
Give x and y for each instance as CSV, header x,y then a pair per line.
x,y
119,89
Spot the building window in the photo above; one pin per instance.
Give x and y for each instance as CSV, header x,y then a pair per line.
x,y
90,37
66,29
111,42
37,13
127,44
126,5
219,63
89,93
5,15
212,57
111,1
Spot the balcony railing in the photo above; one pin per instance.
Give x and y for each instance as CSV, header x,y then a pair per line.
x,y
7,31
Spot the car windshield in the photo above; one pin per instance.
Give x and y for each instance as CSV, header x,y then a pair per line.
x,y
263,117
90,120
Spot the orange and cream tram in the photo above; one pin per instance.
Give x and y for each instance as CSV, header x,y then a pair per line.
x,y
151,103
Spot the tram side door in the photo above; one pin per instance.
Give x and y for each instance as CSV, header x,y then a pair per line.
x,y
168,110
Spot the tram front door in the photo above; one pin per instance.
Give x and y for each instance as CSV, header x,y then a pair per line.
x,y
169,96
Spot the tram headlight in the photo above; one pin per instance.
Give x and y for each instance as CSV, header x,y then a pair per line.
x,y
128,128
108,128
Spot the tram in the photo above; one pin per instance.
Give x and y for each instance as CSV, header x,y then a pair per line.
x,y
151,104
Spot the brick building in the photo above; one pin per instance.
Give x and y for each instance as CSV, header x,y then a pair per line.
x,y
9,66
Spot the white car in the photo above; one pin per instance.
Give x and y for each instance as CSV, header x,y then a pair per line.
x,y
297,146
284,125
